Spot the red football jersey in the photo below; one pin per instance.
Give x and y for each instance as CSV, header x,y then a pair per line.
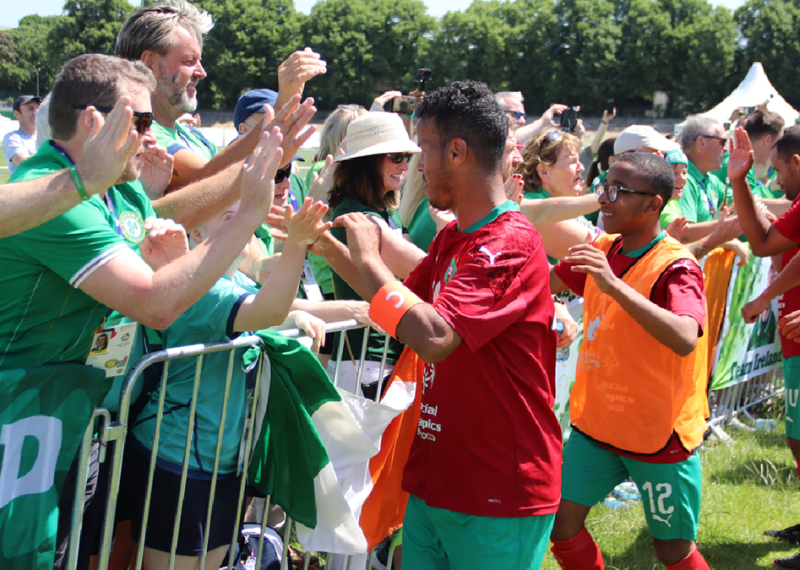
x,y
488,442
788,225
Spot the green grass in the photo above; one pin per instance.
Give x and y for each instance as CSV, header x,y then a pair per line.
x,y
748,487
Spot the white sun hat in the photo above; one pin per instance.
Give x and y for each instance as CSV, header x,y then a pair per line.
x,y
638,136
376,133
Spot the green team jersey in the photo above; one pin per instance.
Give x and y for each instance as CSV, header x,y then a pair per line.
x,y
702,196
44,316
670,213
422,228
183,137
208,321
344,291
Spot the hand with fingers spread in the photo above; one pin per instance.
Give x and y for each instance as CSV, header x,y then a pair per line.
x,y
164,242
305,225
295,72
258,174
363,237
513,187
157,171
741,157
108,147
381,100
292,121
677,227
323,180
586,258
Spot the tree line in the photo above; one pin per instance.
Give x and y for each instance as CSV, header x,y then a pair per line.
x,y
577,52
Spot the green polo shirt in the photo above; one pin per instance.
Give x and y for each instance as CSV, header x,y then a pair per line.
x,y
344,291
183,137
44,316
422,228
670,213
701,196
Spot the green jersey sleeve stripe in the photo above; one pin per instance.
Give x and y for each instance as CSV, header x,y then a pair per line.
x,y
98,261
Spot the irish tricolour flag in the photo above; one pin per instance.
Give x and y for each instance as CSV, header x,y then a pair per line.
x,y
313,455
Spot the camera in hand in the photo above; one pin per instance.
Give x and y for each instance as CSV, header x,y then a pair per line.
x,y
407,104
569,119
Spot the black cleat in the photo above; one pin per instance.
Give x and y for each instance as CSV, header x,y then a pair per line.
x,y
793,562
791,535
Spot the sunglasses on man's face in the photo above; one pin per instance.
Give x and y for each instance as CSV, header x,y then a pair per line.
x,y
612,191
399,157
517,115
141,120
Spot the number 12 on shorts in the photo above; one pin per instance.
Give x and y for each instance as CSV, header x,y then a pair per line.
x,y
665,490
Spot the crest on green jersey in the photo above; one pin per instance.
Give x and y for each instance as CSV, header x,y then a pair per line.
x,y
132,226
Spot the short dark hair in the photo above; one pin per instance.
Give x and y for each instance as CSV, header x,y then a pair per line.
x,y
362,179
789,143
468,111
760,123
91,79
657,172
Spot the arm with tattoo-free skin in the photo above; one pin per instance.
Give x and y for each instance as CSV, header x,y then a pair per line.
x,y
558,209
130,286
27,204
764,239
676,332
421,328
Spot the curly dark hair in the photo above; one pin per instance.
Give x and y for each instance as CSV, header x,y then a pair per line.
x,y
468,111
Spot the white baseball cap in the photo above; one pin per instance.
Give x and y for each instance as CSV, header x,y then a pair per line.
x,y
638,136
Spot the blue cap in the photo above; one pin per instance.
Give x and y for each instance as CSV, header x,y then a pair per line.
x,y
252,102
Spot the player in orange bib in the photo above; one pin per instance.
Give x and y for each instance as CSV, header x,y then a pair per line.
x,y
639,404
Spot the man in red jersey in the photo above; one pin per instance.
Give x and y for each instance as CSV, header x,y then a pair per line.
x,y
484,468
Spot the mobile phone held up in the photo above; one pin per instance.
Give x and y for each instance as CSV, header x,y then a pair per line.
x,y
406,104
569,119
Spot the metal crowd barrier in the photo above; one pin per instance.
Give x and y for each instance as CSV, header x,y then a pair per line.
x,y
730,401
112,434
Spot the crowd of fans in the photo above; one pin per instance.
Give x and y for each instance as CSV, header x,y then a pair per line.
x,y
460,231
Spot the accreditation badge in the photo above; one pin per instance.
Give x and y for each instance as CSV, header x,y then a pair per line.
x,y
111,348
310,285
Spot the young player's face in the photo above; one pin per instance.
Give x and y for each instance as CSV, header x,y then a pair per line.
x,y
629,212
511,156
433,166
681,173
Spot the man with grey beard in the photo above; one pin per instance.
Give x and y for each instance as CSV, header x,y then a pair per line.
x,y
168,38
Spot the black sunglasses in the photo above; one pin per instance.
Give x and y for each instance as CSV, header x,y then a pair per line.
x,y
612,191
141,120
283,173
398,158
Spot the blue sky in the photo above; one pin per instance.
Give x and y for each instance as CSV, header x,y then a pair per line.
x,y
13,11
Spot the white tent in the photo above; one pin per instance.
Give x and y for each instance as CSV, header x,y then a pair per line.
x,y
754,90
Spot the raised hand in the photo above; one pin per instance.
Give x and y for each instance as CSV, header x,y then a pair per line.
x,y
106,151
306,225
513,187
741,157
295,72
677,227
291,120
157,171
382,99
586,258
323,180
258,174
164,242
